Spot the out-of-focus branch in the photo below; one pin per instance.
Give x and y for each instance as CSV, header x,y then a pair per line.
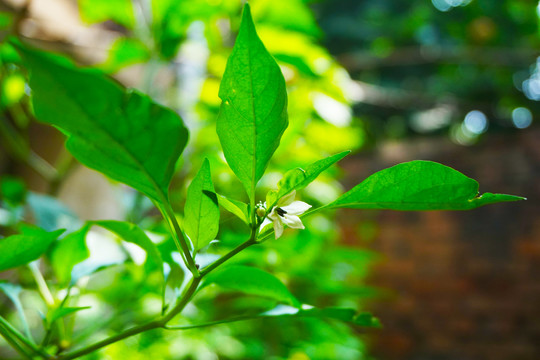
x,y
421,55
365,93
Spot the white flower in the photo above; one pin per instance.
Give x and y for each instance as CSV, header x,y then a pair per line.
x,y
286,212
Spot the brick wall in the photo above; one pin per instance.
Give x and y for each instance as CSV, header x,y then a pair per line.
x,y
463,285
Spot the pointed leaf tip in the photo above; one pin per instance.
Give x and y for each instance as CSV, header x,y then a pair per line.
x,y
253,114
417,186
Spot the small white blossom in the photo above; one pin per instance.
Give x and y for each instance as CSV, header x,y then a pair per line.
x,y
286,212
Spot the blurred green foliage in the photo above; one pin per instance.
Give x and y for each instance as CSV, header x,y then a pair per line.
x,y
429,63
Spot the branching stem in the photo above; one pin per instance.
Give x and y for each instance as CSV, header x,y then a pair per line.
x,y
181,304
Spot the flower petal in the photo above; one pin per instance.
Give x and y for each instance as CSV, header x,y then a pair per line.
x,y
287,199
278,228
296,208
293,221
264,224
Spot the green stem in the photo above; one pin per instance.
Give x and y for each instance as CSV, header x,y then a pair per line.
x,y
130,332
236,250
13,342
22,339
42,285
184,300
179,238
212,323
160,323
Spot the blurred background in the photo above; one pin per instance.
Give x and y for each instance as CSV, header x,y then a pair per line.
x,y
453,81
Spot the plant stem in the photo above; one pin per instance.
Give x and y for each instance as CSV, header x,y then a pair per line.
x,y
160,323
236,250
9,328
179,238
13,342
130,332
42,285
184,300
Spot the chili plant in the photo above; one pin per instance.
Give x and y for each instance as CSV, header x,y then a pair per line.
x,y
131,139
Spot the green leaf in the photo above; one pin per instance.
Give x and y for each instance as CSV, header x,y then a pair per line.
x,y
133,234
235,207
120,133
252,281
418,185
125,52
201,211
336,313
299,178
61,312
293,15
12,190
96,11
20,249
253,113
172,18
49,213
13,291
68,252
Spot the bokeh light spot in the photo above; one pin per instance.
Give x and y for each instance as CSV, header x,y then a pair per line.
x,y
521,117
476,122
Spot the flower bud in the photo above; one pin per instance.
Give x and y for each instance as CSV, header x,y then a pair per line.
x,y
261,210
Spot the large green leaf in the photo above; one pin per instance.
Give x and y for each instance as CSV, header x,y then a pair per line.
x,y
299,178
120,133
418,185
124,52
96,11
252,281
201,211
67,253
20,249
337,313
253,113
133,234
363,319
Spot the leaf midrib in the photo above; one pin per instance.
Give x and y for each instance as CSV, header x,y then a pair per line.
x,y
254,158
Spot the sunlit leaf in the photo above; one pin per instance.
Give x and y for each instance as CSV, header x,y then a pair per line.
x,y
201,212
133,234
172,18
235,207
96,11
253,113
20,249
418,185
125,52
68,252
291,14
363,319
120,133
61,312
12,87
12,190
252,281
299,178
